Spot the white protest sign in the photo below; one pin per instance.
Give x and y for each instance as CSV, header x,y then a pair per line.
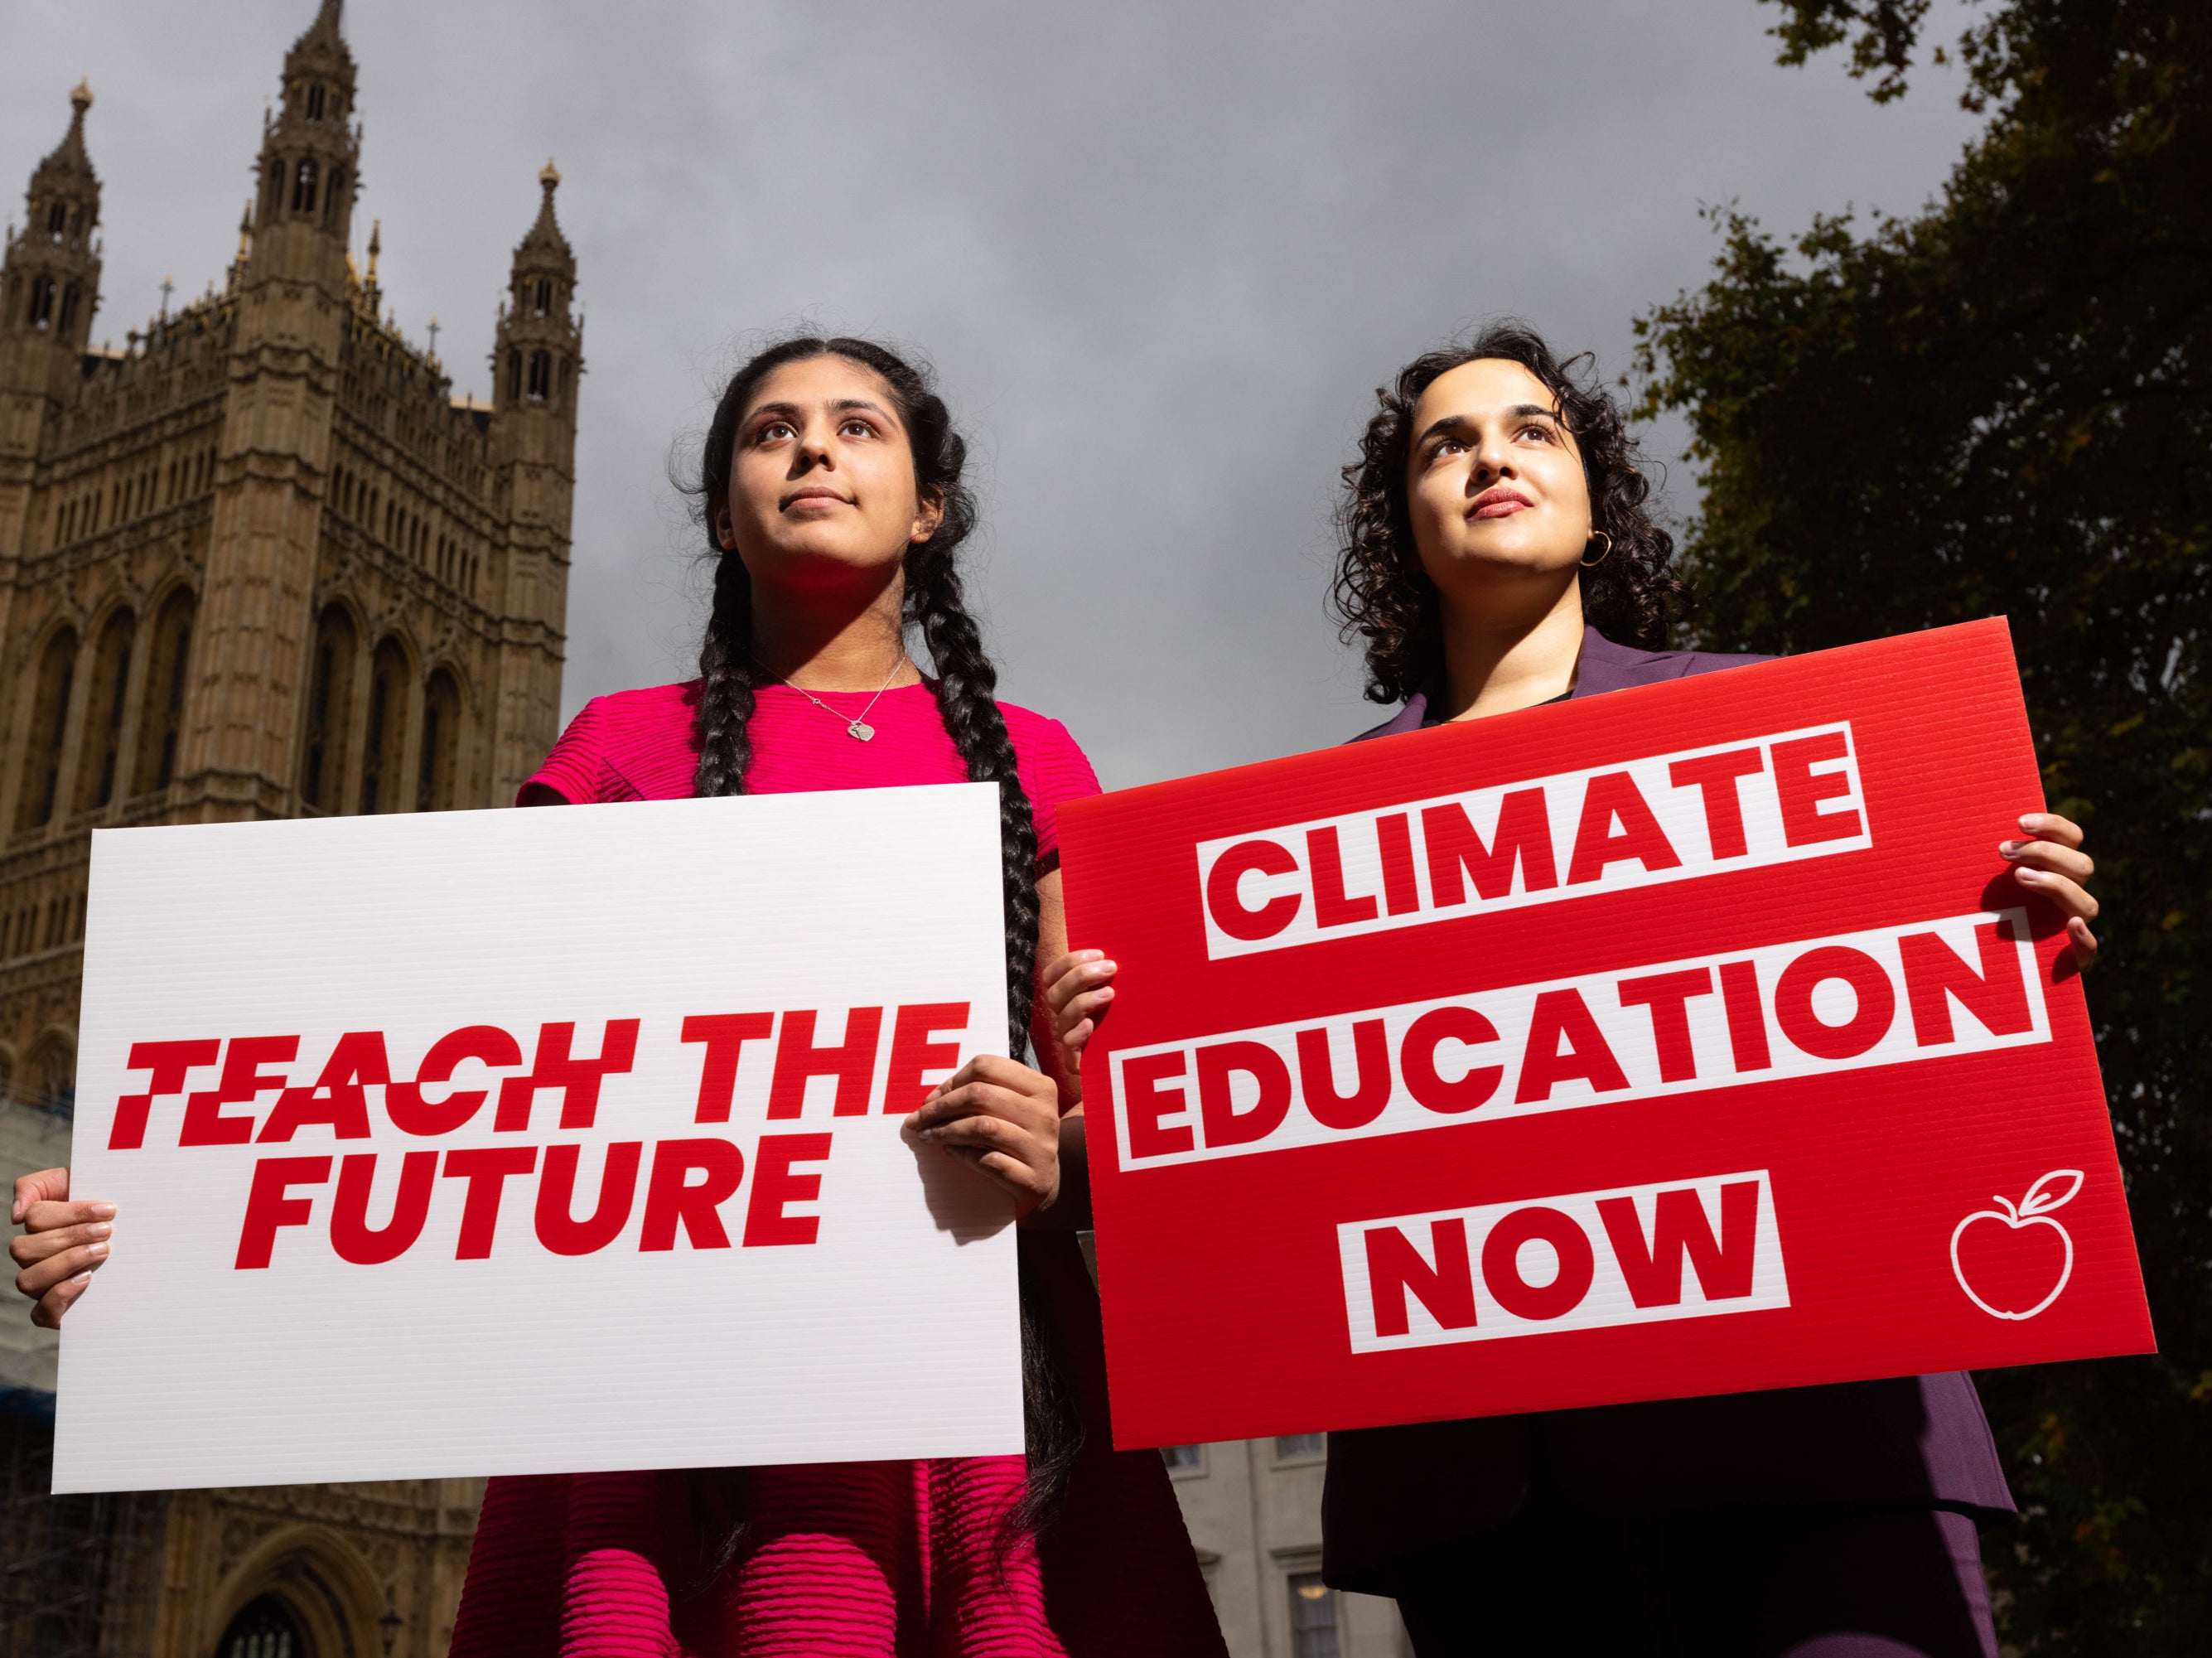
x,y
546,1141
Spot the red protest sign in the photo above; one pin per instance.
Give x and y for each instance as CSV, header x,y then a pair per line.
x,y
1691,1039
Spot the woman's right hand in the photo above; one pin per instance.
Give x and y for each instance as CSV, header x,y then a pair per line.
x,y
63,1244
1079,988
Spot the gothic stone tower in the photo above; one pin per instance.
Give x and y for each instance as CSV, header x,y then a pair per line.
x,y
260,562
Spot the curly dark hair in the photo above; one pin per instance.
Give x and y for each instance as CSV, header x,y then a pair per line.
x,y
1383,595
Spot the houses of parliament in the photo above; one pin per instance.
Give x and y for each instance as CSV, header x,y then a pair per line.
x,y
259,562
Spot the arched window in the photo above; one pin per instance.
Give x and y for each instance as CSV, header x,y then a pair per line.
x,y
541,298
272,194
513,375
314,103
541,375
303,189
42,764
330,713
161,707
68,307
264,1628
42,302
53,1074
57,221
437,787
333,196
386,747
103,714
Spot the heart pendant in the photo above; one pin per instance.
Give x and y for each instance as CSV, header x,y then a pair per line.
x,y
860,732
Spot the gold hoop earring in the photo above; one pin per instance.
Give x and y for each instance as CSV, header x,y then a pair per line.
x,y
1592,563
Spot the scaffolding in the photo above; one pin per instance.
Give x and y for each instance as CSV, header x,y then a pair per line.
x,y
60,1558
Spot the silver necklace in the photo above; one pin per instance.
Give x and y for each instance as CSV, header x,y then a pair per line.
x,y
857,727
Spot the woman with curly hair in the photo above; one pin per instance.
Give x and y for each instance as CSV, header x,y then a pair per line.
x,y
1497,554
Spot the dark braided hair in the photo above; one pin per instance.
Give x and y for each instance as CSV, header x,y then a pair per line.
x,y
935,606
1382,594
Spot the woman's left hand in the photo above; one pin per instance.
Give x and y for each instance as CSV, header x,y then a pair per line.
x,y
2050,861
1002,1117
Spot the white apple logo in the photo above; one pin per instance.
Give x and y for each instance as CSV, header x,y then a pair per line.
x,y
2033,1209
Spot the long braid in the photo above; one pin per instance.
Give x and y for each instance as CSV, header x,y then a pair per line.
x,y
965,684
725,687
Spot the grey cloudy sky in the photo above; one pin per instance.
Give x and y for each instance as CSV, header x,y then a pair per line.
x,y
1161,254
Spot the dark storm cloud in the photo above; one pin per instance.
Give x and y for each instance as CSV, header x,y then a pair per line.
x,y
1160,253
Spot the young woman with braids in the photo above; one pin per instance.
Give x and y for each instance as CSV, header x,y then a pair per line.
x,y
1497,554
830,486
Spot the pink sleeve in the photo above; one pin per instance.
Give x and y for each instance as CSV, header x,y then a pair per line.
x,y
576,768
1054,769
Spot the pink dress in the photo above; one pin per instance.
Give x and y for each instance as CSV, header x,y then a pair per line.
x,y
847,1560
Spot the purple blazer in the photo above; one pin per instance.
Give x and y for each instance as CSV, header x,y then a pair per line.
x,y
1396,1491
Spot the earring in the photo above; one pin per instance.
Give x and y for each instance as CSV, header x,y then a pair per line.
x,y
1592,563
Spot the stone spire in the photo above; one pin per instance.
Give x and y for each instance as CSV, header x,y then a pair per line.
x,y
69,163
309,147
324,40
538,349
545,246
54,264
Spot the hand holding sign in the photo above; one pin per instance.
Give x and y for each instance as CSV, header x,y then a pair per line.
x,y
1003,1119
2051,862
64,1242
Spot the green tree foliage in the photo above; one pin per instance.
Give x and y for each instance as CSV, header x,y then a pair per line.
x,y
2004,405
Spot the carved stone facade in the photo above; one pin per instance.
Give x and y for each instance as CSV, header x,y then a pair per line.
x,y
260,562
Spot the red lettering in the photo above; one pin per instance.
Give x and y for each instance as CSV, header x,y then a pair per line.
x,y
725,1035
269,1205
1417,1061
1455,852
337,1101
1680,1228
1613,798
352,1237
486,1170
1996,994
1217,1063
1870,1019
672,1198
1564,1042
169,1061
1394,1267
411,1113
775,1186
558,1230
1370,1078
852,1062
206,1121
1746,1018
1501,1263
1714,776
1393,836
913,1053
1803,823
1145,1102
1668,995
1326,859
1225,903
578,1078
